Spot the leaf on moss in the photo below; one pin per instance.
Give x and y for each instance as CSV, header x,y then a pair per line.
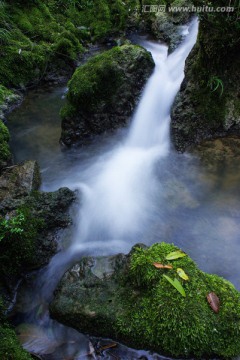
x,y
213,301
175,255
175,283
161,266
182,274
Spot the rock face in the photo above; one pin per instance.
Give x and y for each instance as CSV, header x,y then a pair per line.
x,y
19,180
38,215
125,297
104,92
208,104
219,152
168,27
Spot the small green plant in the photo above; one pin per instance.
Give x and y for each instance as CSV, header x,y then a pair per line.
x,y
13,225
18,234
216,84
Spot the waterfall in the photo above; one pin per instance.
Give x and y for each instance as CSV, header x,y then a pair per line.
x,y
117,197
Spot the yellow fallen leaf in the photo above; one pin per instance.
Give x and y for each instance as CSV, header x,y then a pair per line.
x,y
182,274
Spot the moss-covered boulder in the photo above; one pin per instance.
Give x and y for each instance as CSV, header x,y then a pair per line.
x,y
5,154
127,298
103,92
29,220
208,105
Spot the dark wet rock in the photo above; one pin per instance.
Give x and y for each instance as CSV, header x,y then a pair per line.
x,y
125,297
52,210
19,194
19,180
208,104
104,92
164,25
11,101
168,27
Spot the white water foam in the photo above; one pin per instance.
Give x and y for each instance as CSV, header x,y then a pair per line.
x,y
117,198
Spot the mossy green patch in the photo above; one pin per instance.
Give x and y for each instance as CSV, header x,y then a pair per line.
x,y
4,93
96,82
10,348
180,326
129,299
33,35
17,241
33,38
5,154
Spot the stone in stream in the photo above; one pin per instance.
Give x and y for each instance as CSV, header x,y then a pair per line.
x,y
30,220
103,93
125,297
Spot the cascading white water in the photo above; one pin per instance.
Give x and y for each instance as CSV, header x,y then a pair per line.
x,y
118,197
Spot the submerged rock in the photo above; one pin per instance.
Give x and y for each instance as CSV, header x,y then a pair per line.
x,y
125,297
104,92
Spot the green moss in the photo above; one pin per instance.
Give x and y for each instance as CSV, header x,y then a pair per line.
x,y
34,38
5,154
68,45
4,93
17,241
34,34
217,56
164,320
10,348
96,82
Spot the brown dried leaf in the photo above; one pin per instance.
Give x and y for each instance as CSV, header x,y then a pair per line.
x,y
161,266
213,301
109,346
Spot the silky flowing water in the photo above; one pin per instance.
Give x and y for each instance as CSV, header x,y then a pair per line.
x,y
133,187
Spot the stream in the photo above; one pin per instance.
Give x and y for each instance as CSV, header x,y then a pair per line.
x,y
133,187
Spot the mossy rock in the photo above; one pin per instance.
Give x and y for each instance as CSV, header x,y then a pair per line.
x,y
5,154
208,104
29,219
97,295
104,91
10,347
